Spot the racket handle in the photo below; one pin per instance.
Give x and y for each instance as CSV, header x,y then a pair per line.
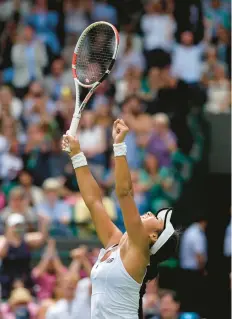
x,y
74,125
73,129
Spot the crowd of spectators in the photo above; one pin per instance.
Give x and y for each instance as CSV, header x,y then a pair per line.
x,y
173,60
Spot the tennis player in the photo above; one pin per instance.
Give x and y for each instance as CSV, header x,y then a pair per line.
x,y
128,260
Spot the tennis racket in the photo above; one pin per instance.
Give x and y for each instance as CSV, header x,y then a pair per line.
x,y
93,59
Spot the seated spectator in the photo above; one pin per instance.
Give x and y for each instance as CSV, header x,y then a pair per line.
x,y
129,85
11,162
170,306
65,109
18,203
210,64
75,11
28,66
46,273
33,193
82,214
38,107
15,251
45,23
151,302
9,103
157,26
128,58
185,52
20,305
162,141
224,47
193,259
58,160
216,15
219,92
61,309
128,29
54,208
57,80
103,11
92,138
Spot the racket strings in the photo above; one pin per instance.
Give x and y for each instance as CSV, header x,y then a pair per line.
x,y
95,53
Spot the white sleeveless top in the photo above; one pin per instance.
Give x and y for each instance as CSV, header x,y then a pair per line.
x,y
115,294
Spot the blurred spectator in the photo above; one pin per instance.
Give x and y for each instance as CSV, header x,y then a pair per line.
x,y
218,92
82,214
210,65
189,16
162,141
19,203
20,305
103,11
128,29
216,16
193,259
54,208
32,193
157,26
15,253
57,80
185,52
9,104
38,107
46,273
65,308
128,58
45,23
170,306
11,162
224,47
29,65
151,302
92,138
76,11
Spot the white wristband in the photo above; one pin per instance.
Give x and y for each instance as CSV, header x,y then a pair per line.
x,y
79,160
120,149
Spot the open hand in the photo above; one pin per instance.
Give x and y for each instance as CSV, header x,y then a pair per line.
x,y
120,131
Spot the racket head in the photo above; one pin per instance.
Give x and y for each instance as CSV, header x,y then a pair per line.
x,y
95,54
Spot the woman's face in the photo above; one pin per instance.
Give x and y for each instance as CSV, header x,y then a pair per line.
x,y
152,225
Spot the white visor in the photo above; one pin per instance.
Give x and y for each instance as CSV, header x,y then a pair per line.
x,y
164,214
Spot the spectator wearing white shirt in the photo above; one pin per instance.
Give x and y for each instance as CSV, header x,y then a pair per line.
x,y
193,259
187,59
54,208
129,58
157,26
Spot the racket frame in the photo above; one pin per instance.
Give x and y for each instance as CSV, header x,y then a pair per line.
x,y
78,108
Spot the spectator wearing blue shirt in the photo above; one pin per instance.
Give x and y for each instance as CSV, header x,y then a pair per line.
x,y
54,208
103,11
45,23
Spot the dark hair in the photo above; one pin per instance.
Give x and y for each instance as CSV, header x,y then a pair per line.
x,y
167,292
168,250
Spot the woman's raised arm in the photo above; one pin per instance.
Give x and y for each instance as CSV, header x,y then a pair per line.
x,y
132,219
107,232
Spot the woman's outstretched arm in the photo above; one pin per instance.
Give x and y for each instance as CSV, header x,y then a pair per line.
x,y
132,220
107,232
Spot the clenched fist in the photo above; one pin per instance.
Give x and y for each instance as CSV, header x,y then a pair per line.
x,y
120,131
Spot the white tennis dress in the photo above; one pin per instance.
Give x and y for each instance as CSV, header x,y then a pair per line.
x,y
115,294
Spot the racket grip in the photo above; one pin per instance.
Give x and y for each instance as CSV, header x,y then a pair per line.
x,y
73,129
74,125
